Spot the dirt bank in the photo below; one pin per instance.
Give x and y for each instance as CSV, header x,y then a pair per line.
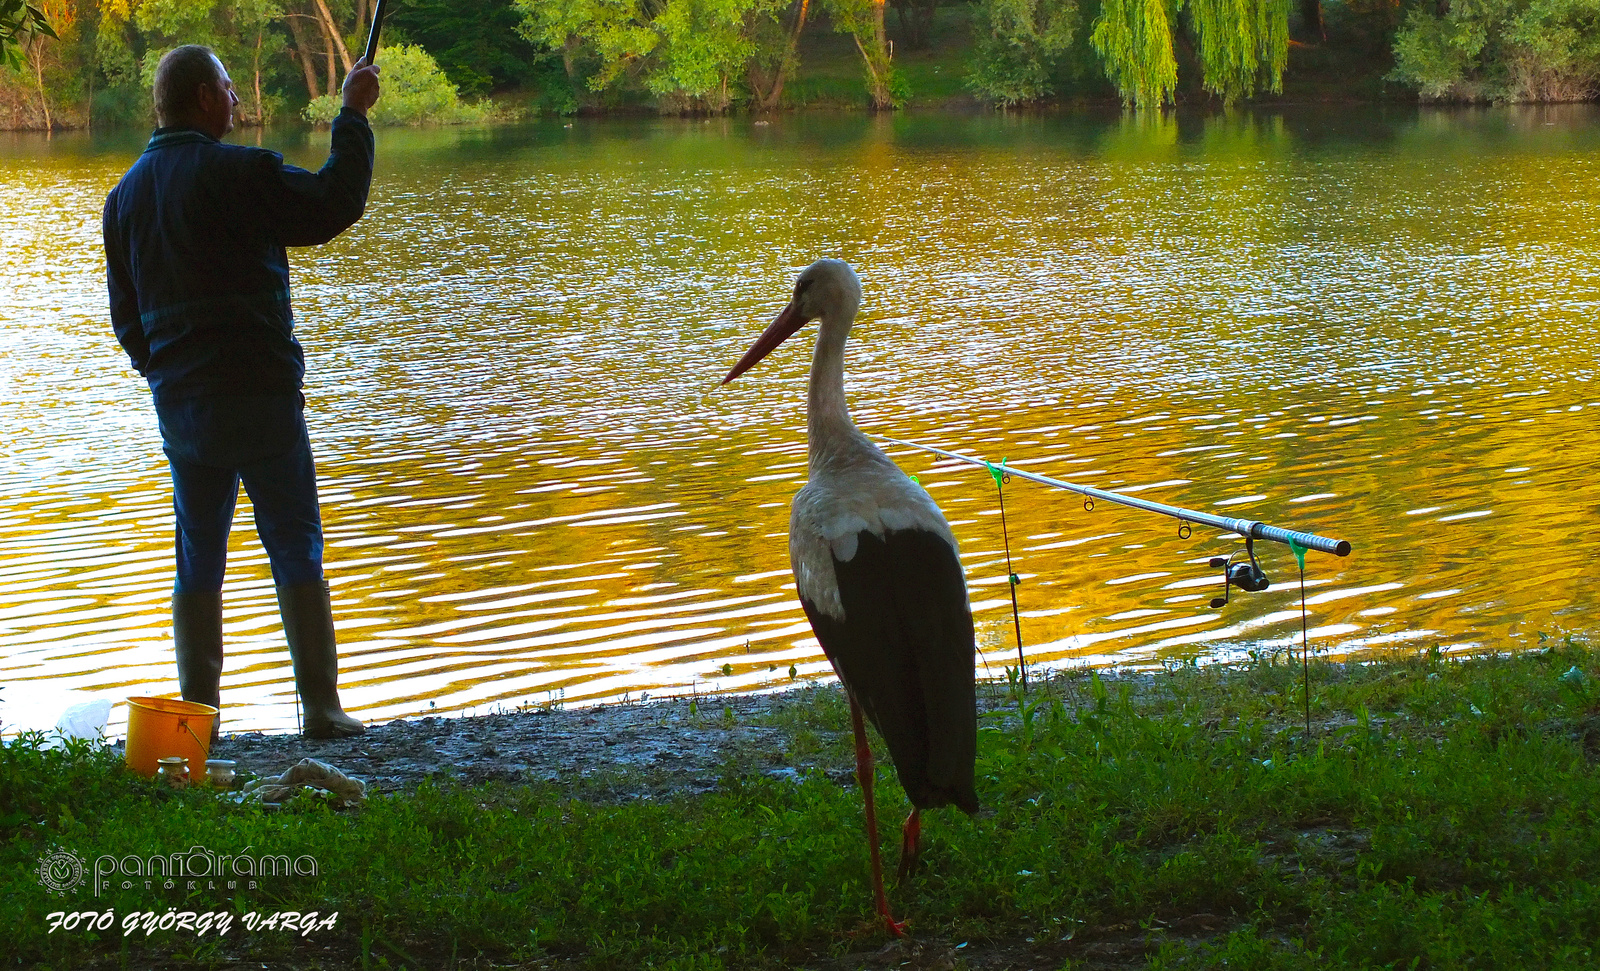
x,y
671,746
676,746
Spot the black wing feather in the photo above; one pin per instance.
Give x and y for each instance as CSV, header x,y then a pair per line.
x,y
905,651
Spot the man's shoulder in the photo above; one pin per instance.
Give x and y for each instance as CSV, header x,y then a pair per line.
x,y
136,172
244,151
242,156
209,162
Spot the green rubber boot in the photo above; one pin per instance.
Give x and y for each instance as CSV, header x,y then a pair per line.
x,y
197,639
308,625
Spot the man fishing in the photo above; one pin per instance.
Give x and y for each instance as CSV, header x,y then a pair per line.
x,y
195,237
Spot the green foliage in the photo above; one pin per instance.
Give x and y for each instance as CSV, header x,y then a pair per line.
x,y
477,44
133,38
1502,50
1134,40
715,55
1017,47
1242,44
188,19
774,48
42,787
19,20
863,21
688,54
415,92
703,44
1436,54
1240,41
615,33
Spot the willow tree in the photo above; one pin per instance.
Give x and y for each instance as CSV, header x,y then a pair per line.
x,y
1242,44
1134,40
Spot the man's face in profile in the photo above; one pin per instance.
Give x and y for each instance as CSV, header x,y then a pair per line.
x,y
217,102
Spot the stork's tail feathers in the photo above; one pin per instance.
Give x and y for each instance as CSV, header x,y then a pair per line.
x,y
931,796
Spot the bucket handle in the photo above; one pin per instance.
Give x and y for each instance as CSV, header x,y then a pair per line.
x,y
183,723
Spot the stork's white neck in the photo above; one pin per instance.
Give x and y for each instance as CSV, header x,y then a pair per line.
x,y
829,429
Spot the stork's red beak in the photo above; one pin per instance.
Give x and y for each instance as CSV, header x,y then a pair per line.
x,y
780,330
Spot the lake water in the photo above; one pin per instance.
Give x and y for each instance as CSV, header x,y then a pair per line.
x,y
1374,324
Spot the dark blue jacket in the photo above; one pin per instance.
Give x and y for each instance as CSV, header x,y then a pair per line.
x,y
195,262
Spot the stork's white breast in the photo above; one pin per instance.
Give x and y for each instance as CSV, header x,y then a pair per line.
x,y
829,515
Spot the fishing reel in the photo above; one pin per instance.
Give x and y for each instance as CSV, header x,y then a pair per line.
x,y
1246,574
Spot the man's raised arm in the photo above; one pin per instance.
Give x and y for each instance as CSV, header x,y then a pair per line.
x,y
310,208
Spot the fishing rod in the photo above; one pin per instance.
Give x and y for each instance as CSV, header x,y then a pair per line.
x,y
1248,528
377,25
1246,575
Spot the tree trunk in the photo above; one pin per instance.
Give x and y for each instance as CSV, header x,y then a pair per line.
x,y
303,53
261,114
36,55
569,60
1311,18
327,42
877,59
769,100
332,28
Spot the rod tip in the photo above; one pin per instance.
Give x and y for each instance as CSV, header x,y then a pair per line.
x,y
1343,549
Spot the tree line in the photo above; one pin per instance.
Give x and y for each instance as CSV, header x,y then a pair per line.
x,y
70,62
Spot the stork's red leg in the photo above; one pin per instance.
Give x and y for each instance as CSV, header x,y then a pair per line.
x,y
910,843
864,776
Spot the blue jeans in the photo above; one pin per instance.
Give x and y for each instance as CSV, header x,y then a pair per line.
x,y
215,443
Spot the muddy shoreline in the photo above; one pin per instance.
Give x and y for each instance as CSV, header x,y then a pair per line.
x,y
678,746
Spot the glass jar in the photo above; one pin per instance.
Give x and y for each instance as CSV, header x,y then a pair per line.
x,y
220,772
174,771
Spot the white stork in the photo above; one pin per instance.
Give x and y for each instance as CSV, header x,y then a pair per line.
x,y
880,578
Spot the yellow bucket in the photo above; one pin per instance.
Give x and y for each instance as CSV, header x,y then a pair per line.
x,y
159,727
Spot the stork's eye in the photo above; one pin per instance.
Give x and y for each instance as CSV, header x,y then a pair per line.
x,y
801,287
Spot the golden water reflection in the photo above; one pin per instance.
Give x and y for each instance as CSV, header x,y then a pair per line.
x,y
1378,325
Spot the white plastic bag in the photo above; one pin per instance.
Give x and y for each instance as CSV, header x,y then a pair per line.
x,y
87,719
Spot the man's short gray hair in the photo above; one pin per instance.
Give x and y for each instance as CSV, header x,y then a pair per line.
x,y
179,77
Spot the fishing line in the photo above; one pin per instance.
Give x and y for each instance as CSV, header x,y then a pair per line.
x,y
1305,644
1000,478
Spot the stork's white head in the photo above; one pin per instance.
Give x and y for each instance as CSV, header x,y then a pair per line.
x,y
828,289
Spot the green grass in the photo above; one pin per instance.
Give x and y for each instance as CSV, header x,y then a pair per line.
x,y
1443,813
